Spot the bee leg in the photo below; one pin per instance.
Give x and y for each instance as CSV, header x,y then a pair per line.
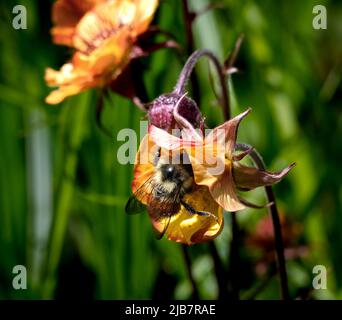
x,y
191,210
208,214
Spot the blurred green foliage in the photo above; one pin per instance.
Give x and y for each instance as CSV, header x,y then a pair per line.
x,y
63,192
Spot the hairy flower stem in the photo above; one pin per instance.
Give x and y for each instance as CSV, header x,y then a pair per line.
x,y
187,260
233,270
279,246
188,68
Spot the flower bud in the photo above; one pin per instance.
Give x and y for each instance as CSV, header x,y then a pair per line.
x,y
161,111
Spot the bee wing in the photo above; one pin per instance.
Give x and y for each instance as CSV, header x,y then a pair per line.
x,y
162,211
134,204
159,234
159,211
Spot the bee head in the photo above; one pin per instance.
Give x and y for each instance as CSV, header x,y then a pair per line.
x,y
174,173
169,172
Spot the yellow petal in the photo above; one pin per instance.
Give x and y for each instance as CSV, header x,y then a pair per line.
x,y
188,228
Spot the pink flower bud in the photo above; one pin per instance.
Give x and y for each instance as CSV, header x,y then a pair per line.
x,y
161,111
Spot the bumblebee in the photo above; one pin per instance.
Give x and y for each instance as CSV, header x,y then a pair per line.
x,y
163,192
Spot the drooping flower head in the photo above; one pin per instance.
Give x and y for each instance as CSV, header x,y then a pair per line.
x,y
217,176
177,128
103,34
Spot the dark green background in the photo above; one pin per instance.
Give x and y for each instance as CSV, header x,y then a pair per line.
x,y
60,178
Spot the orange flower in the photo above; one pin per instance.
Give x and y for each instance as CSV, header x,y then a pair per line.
x,y
214,163
183,226
103,33
65,16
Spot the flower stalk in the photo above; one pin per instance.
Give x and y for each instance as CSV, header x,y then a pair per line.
x,y
279,246
185,249
220,273
188,68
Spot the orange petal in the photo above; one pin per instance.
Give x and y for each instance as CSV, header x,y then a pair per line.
x,y
57,96
84,72
108,60
144,15
226,134
63,35
248,178
70,80
110,18
223,190
65,16
143,167
104,35
66,75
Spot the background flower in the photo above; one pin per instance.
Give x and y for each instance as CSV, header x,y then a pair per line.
x,y
103,34
261,242
66,14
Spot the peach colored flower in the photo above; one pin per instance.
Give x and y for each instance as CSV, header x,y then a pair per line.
x,y
65,16
103,34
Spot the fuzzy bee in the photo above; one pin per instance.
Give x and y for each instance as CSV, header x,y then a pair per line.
x,y
163,192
